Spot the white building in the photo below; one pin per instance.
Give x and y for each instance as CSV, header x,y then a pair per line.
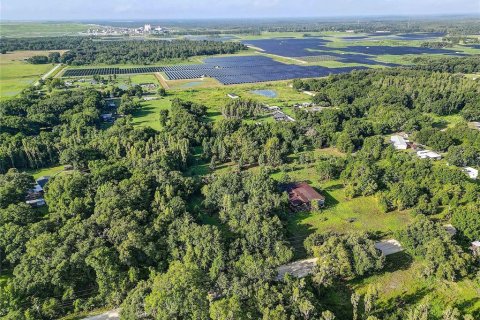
x,y
428,154
233,96
399,142
147,28
475,247
471,172
36,202
389,247
450,229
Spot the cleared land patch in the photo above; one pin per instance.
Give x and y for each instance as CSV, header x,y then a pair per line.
x,y
16,74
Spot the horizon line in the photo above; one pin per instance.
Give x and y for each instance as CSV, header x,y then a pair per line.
x,y
131,19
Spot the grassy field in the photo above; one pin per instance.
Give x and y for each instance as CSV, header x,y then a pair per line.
x,y
40,29
340,214
16,74
148,115
50,171
401,283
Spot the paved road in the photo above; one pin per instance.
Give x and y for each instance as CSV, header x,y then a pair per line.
x,y
46,75
109,315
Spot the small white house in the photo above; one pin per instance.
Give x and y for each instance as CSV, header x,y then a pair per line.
x,y
310,93
107,117
471,172
36,202
232,96
450,229
475,247
36,188
428,154
273,108
399,142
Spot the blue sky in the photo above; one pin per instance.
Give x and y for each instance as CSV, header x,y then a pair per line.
x,y
186,9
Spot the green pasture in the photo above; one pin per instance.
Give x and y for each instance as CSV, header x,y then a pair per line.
x,y
16,74
49,171
401,281
148,114
41,29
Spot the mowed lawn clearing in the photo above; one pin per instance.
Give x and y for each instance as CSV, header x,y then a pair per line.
x,y
148,114
17,74
401,282
50,171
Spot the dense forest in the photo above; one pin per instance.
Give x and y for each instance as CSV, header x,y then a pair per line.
x,y
124,227
85,50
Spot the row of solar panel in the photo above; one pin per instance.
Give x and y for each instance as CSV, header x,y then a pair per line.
x,y
109,71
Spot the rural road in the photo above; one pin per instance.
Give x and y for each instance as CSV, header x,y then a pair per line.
x,y
109,315
46,75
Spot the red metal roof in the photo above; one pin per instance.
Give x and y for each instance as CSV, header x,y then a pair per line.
x,y
301,192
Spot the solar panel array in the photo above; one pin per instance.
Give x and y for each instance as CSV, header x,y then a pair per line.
x,y
227,70
109,71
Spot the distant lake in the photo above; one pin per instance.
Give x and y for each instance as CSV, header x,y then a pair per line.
x,y
265,93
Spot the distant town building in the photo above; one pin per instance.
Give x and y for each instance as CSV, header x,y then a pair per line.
x,y
471,172
147,28
399,142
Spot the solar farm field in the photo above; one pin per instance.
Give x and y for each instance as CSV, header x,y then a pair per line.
x,y
363,50
227,70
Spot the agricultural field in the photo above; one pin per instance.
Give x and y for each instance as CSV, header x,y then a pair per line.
x,y
16,74
43,29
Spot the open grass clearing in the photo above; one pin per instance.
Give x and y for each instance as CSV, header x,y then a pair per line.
x,y
148,114
401,282
340,214
50,171
43,29
16,74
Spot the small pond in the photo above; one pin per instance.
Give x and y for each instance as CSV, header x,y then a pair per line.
x,y
191,84
265,93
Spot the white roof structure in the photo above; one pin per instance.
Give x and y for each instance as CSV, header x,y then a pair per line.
x,y
450,229
298,269
232,96
36,202
37,188
428,154
399,142
310,93
472,172
476,244
389,246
